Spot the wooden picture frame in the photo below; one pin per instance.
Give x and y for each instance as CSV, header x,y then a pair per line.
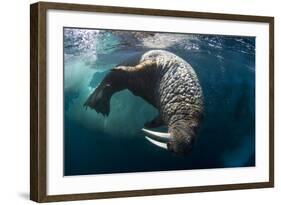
x,y
39,95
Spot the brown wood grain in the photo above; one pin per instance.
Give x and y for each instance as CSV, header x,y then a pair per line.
x,y
34,103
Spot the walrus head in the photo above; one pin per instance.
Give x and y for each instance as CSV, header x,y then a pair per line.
x,y
179,139
100,98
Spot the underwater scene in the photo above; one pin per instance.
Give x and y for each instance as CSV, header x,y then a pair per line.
x,y
107,136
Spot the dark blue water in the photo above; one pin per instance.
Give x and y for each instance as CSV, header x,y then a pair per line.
x,y
94,144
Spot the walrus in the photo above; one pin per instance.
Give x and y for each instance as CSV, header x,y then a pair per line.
x,y
167,82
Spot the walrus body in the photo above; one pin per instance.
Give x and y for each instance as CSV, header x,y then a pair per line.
x,y
168,83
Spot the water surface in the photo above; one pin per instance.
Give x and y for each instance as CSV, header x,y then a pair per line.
x,y
94,144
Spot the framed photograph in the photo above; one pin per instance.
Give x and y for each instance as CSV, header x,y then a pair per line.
x,y
134,102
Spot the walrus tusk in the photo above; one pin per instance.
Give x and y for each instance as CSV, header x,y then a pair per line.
x,y
158,136
159,144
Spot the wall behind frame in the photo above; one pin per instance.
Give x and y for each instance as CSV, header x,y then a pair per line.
x,y
14,104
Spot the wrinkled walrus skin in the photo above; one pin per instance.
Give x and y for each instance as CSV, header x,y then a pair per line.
x,y
167,82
